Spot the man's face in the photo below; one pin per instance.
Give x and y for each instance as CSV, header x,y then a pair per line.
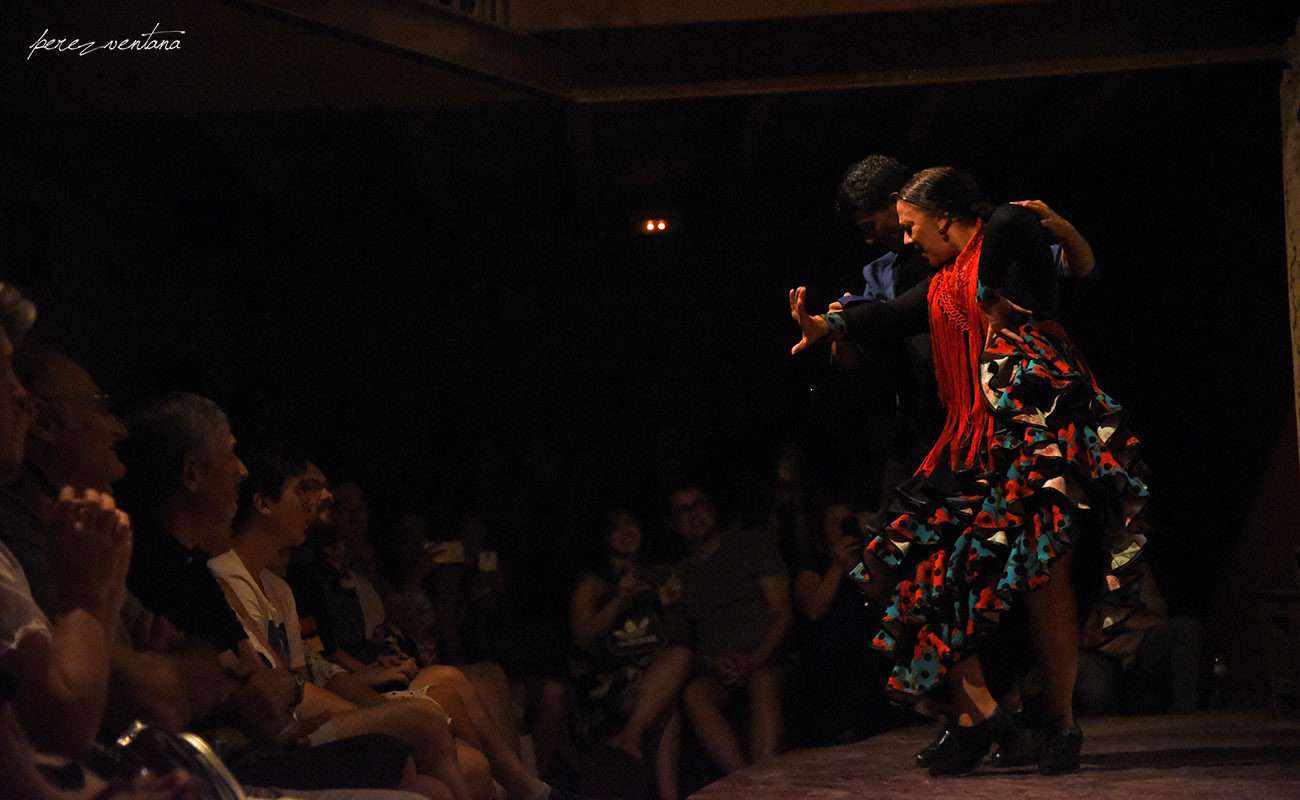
x,y
218,474
297,507
692,514
315,491
352,516
79,433
15,414
880,227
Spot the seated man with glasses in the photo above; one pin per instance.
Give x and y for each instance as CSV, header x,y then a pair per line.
x,y
736,596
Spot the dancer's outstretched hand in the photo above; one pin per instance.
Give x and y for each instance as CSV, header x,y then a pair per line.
x,y
813,328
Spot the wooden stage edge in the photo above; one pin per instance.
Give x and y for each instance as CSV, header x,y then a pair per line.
x,y
1217,754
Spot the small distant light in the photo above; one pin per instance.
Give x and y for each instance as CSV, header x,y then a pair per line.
x,y
656,225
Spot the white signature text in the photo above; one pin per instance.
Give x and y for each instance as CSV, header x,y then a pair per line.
x,y
153,40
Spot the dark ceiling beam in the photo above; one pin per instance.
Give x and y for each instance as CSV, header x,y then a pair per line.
x,y
425,30
560,15
976,43
922,75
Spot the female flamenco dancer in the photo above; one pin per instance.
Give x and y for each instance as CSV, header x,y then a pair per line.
x,y
1034,462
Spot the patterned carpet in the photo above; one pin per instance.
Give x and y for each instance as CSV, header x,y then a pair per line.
x,y
1213,754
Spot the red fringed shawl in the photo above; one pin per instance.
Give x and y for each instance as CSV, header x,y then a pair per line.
x,y
957,333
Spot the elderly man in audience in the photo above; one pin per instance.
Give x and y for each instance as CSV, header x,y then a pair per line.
x,y
83,545
70,442
181,485
54,674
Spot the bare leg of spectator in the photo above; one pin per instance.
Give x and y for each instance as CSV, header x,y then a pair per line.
x,y
655,691
704,697
477,727
421,725
550,705
766,715
668,750
493,689
432,788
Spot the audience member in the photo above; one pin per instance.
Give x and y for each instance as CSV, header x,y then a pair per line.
x,y
736,596
54,674
276,503
70,442
467,710
58,670
1136,659
841,674
632,663
790,523
181,484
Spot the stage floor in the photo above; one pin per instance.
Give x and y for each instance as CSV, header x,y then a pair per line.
x,y
1212,754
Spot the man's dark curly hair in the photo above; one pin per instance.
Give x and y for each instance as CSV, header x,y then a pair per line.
x,y
868,184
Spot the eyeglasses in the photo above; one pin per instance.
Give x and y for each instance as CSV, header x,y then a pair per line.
x,y
698,504
100,399
310,486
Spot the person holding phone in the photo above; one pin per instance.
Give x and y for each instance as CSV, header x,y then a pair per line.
x,y
839,672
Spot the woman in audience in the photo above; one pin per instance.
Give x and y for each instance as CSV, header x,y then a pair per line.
x,y
840,672
631,664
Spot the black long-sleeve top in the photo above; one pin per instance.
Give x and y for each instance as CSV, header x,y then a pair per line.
x,y
1015,257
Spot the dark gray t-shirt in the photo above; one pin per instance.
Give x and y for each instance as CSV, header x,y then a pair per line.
x,y
724,602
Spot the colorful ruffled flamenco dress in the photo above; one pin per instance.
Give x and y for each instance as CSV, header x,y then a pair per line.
x,y
1034,459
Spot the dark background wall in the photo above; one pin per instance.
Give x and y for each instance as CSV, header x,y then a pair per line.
x,y
449,304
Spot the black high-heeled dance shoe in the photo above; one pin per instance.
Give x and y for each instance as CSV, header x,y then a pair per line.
x,y
1025,748
963,751
925,755
1060,750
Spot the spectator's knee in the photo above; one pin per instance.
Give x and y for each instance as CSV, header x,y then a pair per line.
x,y
421,720
677,654
477,772
699,692
554,695
765,683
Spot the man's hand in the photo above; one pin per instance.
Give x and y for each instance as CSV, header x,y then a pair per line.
x,y
401,662
738,667
90,549
154,632
374,675
265,701
1055,224
1075,250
